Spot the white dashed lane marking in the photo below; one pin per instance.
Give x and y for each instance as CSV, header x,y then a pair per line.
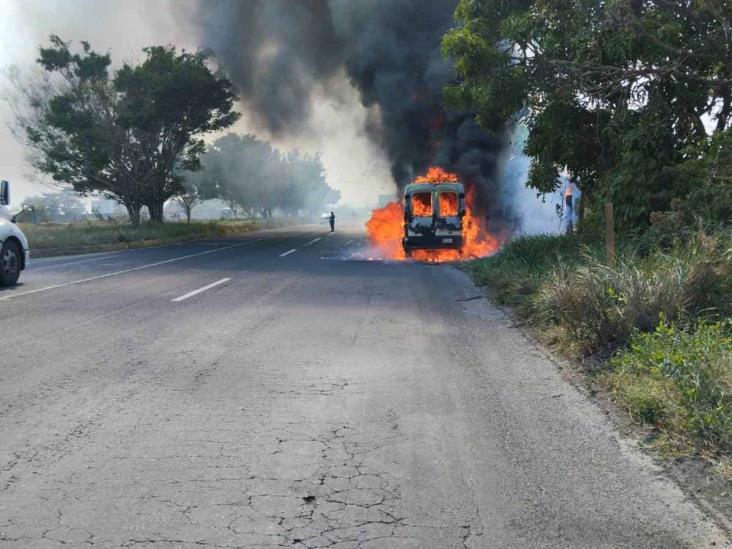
x,y
200,290
130,270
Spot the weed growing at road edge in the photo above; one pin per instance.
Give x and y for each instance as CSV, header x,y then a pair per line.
x,y
679,381
674,375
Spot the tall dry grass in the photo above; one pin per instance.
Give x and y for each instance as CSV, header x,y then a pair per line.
x,y
601,307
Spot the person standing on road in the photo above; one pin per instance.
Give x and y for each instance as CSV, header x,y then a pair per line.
x,y
332,221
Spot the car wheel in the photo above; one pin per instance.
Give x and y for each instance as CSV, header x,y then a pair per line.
x,y
9,264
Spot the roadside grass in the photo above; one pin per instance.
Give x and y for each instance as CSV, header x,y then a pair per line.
x,y
600,308
518,271
66,238
654,330
723,468
681,382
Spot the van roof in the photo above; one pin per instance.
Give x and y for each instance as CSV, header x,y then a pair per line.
x,y
432,187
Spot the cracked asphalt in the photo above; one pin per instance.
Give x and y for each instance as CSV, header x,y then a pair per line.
x,y
303,400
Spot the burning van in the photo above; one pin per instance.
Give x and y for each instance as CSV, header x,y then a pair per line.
x,y
433,215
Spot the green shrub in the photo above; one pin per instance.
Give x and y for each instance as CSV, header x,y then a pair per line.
x,y
698,364
650,400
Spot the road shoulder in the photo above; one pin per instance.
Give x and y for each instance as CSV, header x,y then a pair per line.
x,y
694,476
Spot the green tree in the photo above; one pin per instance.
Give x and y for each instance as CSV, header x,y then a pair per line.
x,y
220,163
168,102
188,199
244,171
307,190
252,175
68,121
708,172
126,136
614,92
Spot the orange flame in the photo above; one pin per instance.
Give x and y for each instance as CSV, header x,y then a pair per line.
x,y
448,204
422,204
435,174
386,227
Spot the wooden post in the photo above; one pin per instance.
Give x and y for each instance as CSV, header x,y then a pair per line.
x,y
610,234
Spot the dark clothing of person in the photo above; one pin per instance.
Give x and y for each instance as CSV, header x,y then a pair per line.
x,y
332,222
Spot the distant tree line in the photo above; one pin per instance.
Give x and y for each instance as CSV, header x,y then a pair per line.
x,y
134,135
255,178
54,206
631,99
130,134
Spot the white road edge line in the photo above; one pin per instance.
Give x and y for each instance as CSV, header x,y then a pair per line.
x,y
313,241
138,268
288,252
200,290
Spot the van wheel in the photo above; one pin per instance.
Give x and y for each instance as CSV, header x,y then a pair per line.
x,y
9,264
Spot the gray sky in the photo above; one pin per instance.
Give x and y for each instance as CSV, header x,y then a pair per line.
x,y
123,27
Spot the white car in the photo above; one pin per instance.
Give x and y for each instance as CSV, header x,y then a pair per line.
x,y
14,250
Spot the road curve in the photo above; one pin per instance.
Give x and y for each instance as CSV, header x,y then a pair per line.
x,y
268,391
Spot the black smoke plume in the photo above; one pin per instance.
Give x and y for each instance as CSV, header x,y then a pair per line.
x,y
276,51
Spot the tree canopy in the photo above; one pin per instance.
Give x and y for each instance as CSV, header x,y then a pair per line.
x,y
129,135
251,175
621,95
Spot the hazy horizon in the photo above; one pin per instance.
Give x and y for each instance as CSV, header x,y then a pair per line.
x,y
354,165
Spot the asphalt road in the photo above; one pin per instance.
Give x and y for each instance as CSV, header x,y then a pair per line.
x,y
300,399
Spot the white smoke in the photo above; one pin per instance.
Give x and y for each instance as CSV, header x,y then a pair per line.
x,y
122,28
355,166
530,212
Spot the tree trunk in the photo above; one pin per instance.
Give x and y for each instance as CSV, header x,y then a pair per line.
x,y
188,215
133,210
155,209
